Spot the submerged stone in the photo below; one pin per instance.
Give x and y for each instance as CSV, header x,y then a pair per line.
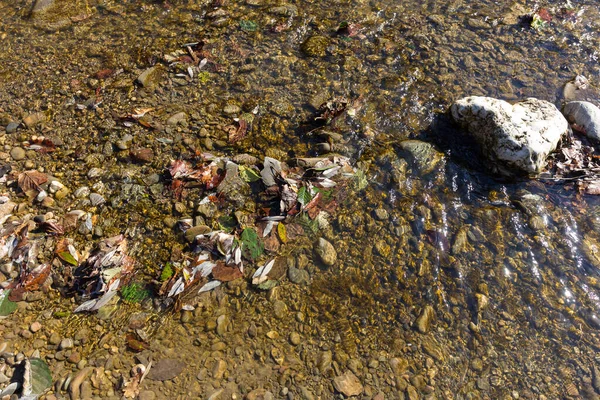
x,y
326,252
585,118
315,46
422,157
515,139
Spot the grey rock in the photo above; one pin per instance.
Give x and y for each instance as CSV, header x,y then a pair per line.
x,y
12,127
326,252
166,369
176,118
585,116
515,139
579,89
17,153
298,276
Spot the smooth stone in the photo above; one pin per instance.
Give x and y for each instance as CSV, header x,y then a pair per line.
x,y
585,116
423,323
194,231
295,338
151,77
17,153
298,276
348,384
12,127
66,343
176,118
515,139
326,252
147,395
166,369
33,119
35,326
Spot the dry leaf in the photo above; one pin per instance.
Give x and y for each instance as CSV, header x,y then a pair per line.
x,y
31,180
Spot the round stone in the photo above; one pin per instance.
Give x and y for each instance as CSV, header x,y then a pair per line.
x,y
17,153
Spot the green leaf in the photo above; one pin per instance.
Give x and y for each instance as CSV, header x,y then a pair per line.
x,y
68,257
249,174
167,272
304,196
41,377
310,226
134,293
227,222
251,243
6,306
248,26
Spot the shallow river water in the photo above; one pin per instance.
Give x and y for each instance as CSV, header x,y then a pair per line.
x,y
448,283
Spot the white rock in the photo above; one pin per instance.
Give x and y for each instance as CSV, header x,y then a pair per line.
x,y
517,138
55,186
585,116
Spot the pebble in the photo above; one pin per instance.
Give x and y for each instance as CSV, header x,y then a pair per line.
x,y
219,369
35,326
231,109
17,153
66,343
298,276
326,252
348,384
295,338
54,338
12,127
176,118
423,323
280,309
381,214
147,395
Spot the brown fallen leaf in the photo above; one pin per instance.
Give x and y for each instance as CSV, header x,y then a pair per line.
x,y
225,273
31,180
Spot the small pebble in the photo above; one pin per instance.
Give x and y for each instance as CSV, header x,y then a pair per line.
x,y
66,343
12,127
35,326
17,153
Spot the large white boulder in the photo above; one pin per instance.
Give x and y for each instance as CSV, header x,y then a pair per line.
x,y
516,138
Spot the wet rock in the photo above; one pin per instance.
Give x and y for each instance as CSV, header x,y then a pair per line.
x,y
423,323
166,369
315,46
17,153
194,231
298,276
585,118
219,368
147,395
176,118
579,89
515,139
324,361
326,252
381,214
12,127
231,109
66,343
280,309
422,157
35,326
348,384
295,338
260,394
142,155
151,77
34,119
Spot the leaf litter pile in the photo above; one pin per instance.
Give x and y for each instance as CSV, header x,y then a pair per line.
x,y
289,201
